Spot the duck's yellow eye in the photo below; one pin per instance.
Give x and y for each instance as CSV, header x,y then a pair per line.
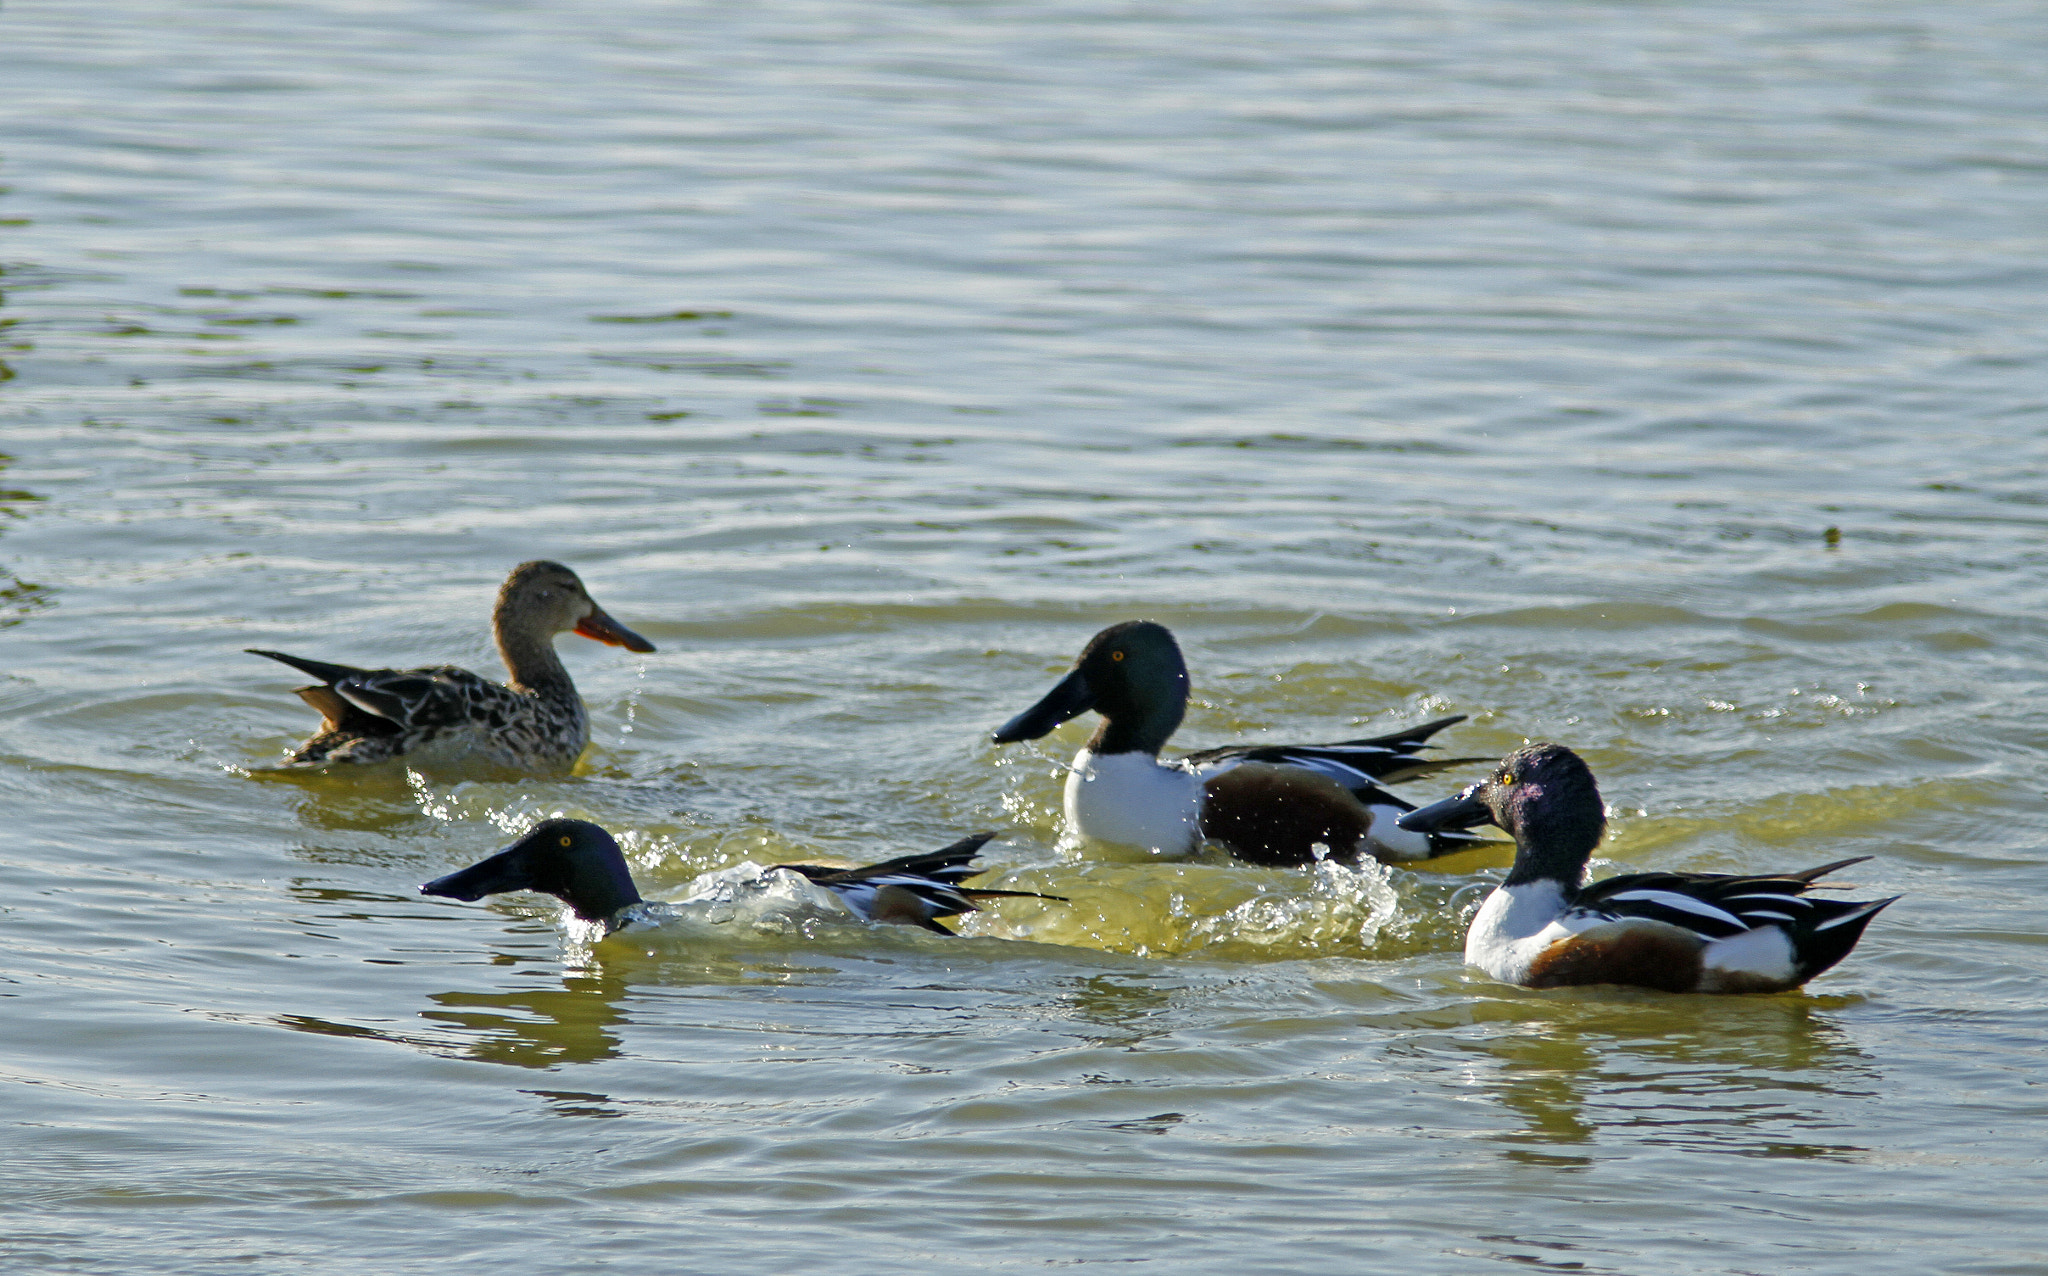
x,y
1116,655
567,840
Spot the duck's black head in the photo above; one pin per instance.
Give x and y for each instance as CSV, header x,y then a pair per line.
x,y
574,860
1133,675
1542,794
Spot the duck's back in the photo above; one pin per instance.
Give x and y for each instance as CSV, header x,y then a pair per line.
x,y
373,715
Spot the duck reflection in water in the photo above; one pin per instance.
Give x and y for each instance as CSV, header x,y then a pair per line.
x,y
1124,1009
19,599
1749,1077
541,1027
538,1027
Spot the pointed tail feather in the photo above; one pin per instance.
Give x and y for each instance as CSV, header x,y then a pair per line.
x,y
981,894
965,846
927,863
953,862
1826,943
1414,767
1411,737
327,673
1811,875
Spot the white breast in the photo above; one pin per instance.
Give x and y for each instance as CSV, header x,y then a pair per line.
x,y
1514,925
1129,798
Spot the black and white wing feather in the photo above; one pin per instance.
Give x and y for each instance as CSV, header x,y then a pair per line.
x,y
1359,765
932,880
1719,905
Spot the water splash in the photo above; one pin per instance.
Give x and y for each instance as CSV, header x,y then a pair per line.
x,y
633,700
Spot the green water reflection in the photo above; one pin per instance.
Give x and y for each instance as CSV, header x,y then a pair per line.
x,y
540,1027
1747,1077
19,599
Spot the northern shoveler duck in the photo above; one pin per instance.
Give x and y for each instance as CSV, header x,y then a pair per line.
x,y
1679,932
580,864
534,722
1270,804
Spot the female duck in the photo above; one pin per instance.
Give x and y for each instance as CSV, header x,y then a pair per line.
x,y
1679,932
1270,804
580,864
534,722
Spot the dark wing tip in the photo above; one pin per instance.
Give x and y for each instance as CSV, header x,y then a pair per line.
x,y
969,845
1812,875
972,893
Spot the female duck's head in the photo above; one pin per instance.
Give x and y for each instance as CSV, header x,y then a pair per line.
x,y
1542,794
541,599
1132,674
574,860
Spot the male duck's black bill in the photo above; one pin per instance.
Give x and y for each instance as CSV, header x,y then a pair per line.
x,y
1070,698
505,871
1452,815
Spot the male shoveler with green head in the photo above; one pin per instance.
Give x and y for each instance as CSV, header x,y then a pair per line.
x,y
1270,804
1679,932
581,864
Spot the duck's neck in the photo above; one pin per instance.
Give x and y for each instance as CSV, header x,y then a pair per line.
x,y
605,905
1137,728
1555,852
1118,736
531,658
599,888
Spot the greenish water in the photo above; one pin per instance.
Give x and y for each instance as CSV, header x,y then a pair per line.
x,y
1406,359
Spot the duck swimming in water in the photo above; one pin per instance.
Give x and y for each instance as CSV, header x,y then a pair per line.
x,y
1679,932
580,864
535,721
1270,804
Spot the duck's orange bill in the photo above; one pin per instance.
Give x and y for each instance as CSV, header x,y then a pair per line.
x,y
606,630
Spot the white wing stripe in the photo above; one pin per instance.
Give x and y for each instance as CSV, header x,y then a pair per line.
x,y
1844,918
1683,903
1330,767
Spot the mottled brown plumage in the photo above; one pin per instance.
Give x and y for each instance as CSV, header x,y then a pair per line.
x,y
534,721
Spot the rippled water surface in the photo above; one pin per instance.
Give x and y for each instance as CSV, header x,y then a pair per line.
x,y
1407,359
